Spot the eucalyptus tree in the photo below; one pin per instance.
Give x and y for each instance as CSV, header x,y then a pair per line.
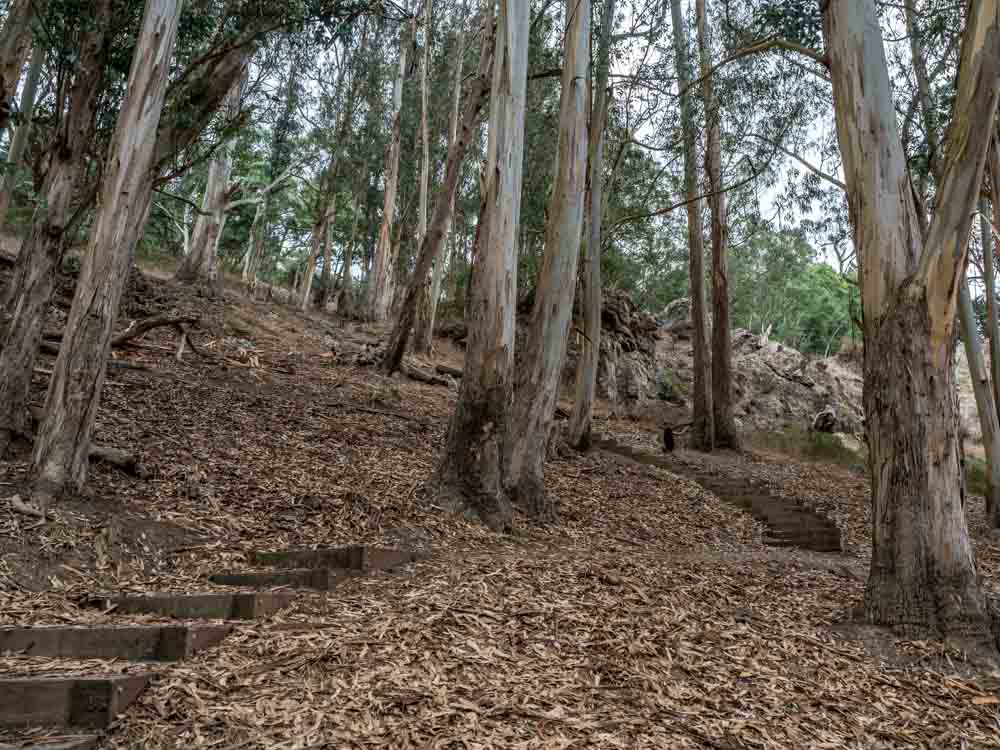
x,y
923,573
540,374
63,441
15,44
19,141
471,474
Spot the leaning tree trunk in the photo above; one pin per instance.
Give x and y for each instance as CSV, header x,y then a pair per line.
x,y
444,203
702,433
471,475
26,298
255,247
590,350
923,574
59,460
20,140
15,43
423,336
545,346
201,265
319,243
722,355
380,291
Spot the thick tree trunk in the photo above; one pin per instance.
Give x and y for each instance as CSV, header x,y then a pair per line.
x,y
344,295
433,240
15,43
722,356
20,140
923,574
702,433
423,338
545,346
27,295
471,476
380,291
327,278
201,265
319,242
586,366
59,460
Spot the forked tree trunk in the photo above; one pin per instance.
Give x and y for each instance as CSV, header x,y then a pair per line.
x,y
545,346
433,240
423,338
20,140
255,246
15,43
590,350
471,475
724,428
26,298
319,243
59,460
923,574
201,265
702,433
380,291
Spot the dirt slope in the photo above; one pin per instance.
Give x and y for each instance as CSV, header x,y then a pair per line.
x,y
649,616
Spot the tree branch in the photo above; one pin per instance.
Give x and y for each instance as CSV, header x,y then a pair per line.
x,y
815,170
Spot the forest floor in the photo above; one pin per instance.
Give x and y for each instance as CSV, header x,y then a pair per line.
x,y
651,615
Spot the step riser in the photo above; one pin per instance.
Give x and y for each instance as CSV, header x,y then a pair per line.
x,y
319,579
355,557
128,643
88,703
79,742
206,606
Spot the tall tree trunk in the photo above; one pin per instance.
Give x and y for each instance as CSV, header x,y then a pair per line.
x,y
433,240
255,248
722,356
380,291
59,460
20,140
702,432
15,43
989,272
423,338
201,265
545,346
988,422
26,298
344,296
923,574
327,279
471,475
590,350
319,243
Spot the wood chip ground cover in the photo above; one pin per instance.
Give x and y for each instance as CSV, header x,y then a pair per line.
x,y
650,615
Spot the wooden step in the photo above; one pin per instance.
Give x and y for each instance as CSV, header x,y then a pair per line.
x,y
132,643
85,702
205,606
321,579
354,557
61,742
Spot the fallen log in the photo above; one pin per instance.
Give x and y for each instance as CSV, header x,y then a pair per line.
x,y
138,328
455,372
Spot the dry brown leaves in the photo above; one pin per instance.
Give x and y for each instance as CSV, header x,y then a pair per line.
x,y
650,615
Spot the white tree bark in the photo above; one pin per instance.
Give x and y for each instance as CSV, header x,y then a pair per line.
x,y
923,574
201,265
545,347
471,475
15,43
59,461
381,289
423,336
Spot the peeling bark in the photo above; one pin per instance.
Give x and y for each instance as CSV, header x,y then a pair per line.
x,y
15,43
29,290
545,346
20,140
59,460
471,475
923,574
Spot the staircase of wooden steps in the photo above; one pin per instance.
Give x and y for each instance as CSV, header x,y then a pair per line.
x,y
69,712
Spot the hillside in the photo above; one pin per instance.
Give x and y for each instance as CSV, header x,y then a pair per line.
x,y
652,614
